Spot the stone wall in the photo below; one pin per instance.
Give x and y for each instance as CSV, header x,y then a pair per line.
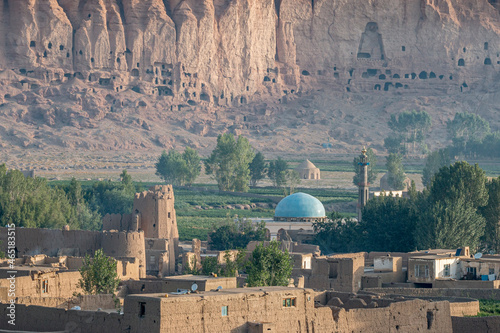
x,y
85,302
472,293
476,324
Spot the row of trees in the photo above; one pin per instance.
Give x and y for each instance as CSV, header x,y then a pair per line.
x,y
33,203
460,207
233,163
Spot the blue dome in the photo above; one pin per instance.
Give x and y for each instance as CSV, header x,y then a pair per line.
x,y
300,205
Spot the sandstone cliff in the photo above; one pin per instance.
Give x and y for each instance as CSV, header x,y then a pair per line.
x,y
153,73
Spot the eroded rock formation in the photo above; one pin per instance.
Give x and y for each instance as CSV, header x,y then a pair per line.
x,y
77,62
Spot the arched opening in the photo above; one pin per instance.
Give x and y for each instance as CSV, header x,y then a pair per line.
x,y
487,61
382,77
396,76
432,75
266,78
377,87
422,75
461,62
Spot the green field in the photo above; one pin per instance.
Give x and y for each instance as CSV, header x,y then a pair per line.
x,y
488,307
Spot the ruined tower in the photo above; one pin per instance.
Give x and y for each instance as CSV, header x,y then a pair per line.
x,y
363,184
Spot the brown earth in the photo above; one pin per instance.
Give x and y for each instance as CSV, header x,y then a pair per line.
x,y
94,83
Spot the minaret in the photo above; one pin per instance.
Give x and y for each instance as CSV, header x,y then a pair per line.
x,y
363,184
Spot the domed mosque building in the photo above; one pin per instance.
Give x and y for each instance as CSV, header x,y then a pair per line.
x,y
296,213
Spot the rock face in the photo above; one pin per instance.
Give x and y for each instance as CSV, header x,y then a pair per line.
x,y
78,62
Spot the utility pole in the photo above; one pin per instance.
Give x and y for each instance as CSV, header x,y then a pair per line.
x,y
364,186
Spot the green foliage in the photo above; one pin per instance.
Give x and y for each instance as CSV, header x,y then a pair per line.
x,y
269,266
460,180
488,307
411,128
209,265
449,208
277,172
372,167
193,165
467,131
236,235
2,254
435,161
342,234
32,203
99,274
257,168
395,171
229,163
179,169
384,229
107,197
491,213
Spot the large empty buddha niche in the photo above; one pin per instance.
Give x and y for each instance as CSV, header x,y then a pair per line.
x,y
487,61
371,46
461,62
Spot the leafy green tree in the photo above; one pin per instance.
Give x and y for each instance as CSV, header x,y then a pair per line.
x,y
467,128
193,165
172,168
107,197
449,214
277,172
340,235
372,167
435,161
388,224
292,181
269,266
449,224
257,168
99,274
411,127
236,235
395,171
491,213
460,180
229,163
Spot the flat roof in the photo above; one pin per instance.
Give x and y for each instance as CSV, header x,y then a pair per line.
x,y
225,292
190,277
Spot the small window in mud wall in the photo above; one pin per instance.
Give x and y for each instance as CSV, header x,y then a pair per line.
x,y
224,310
142,309
289,302
45,286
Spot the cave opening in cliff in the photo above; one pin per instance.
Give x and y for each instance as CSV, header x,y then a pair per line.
x,y
487,61
192,103
243,100
461,62
465,50
32,43
371,72
396,76
422,75
398,85
204,97
49,45
387,86
432,75
45,54
486,45
382,77
61,47
92,60
407,76
336,75
441,77
135,72
413,76
377,87
67,54
403,48
305,73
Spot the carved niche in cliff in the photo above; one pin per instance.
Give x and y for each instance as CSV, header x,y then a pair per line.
x,y
371,46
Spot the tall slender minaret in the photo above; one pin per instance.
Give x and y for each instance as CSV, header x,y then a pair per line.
x,y
363,184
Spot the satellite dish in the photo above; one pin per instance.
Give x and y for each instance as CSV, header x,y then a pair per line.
x,y
478,255
219,288
194,287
